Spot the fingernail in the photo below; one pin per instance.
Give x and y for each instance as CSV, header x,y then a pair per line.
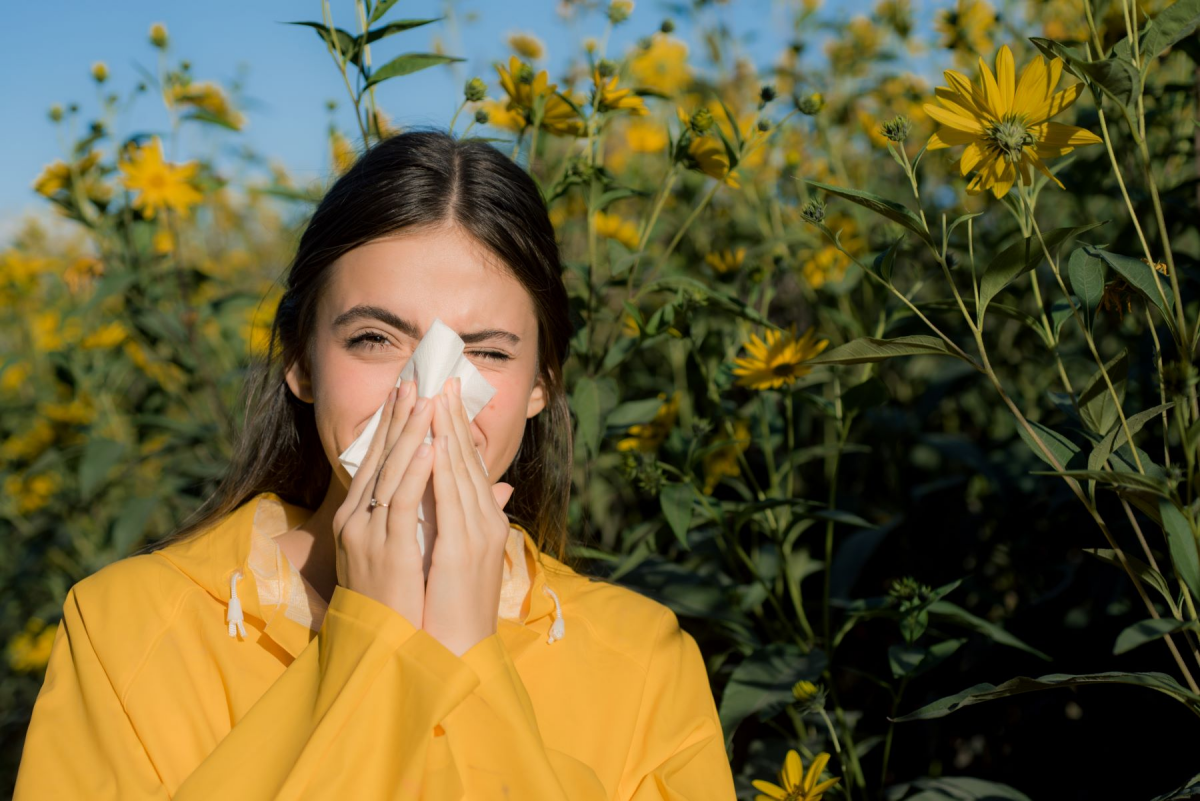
x,y
421,404
405,386
423,450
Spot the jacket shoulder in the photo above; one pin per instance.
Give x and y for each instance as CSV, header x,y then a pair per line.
x,y
619,616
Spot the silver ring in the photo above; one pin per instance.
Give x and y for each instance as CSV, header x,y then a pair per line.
x,y
375,503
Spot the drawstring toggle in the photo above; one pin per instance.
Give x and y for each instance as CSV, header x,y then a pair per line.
x,y
235,607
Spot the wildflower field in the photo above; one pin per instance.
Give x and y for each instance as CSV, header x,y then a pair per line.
x,y
885,380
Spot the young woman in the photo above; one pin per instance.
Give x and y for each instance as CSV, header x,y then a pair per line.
x,y
289,643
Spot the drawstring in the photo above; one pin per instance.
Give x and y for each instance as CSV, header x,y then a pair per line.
x,y
559,629
235,607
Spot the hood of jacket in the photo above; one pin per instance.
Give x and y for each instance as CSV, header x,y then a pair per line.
x,y
239,564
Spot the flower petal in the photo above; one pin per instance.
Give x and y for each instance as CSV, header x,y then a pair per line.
x,y
950,137
1058,102
770,789
1032,156
1031,86
956,103
969,94
970,157
793,770
1056,67
819,789
1004,181
814,770
991,91
968,124
1055,133
1005,79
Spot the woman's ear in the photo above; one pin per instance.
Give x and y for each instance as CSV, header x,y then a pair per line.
x,y
298,382
537,398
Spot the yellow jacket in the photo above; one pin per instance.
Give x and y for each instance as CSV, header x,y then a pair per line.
x,y
147,696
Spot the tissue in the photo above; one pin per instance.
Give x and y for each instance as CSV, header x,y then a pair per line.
x,y
437,357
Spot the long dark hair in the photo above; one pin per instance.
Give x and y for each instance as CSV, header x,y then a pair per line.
x,y
415,180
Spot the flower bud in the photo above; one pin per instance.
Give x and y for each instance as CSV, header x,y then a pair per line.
x,y
475,90
764,124
767,93
524,73
811,104
619,11
668,26
55,113
813,211
897,128
100,72
158,35
702,120
481,116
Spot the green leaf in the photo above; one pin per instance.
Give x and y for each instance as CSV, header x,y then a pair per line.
x,y
585,401
1096,405
1147,574
1188,790
1182,544
953,613
913,660
1087,279
870,349
338,40
762,684
867,395
882,264
1115,76
100,456
955,788
1060,312
979,693
634,412
714,296
887,208
404,65
676,501
1134,482
381,8
1116,437
129,527
399,26
1141,277
1144,631
1064,450
1171,25
1018,259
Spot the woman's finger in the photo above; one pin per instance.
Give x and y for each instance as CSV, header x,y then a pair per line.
x,y
468,495
470,454
364,477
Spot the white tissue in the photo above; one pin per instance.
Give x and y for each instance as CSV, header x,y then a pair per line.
x,y
437,357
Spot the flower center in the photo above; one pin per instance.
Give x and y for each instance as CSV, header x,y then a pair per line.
x,y
1009,136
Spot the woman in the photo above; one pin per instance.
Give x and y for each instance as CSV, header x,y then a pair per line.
x,y
289,644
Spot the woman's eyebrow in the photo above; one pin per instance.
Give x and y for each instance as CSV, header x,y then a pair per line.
x,y
368,312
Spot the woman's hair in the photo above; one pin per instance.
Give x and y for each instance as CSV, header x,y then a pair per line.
x,y
413,181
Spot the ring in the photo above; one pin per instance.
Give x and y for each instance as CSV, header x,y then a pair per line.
x,y
375,503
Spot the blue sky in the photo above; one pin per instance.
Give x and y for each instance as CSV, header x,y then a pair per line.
x,y
286,72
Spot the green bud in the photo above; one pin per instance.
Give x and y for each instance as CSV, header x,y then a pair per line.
x,y
619,11
668,26
475,90
606,68
811,104
702,120
813,211
767,93
524,73
481,116
764,124
897,129
56,113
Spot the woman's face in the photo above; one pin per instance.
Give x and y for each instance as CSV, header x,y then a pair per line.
x,y
379,302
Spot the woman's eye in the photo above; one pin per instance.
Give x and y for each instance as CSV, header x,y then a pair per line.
x,y
492,354
369,340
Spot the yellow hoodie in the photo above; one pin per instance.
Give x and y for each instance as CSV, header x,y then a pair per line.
x,y
148,696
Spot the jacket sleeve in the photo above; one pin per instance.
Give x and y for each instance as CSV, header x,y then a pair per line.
x,y
678,750
373,708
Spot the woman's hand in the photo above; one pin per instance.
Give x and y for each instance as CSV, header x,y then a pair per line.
x,y
462,595
376,549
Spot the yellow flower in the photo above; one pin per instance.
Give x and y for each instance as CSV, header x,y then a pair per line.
x,y
798,784
726,261
527,46
56,177
779,360
30,650
724,460
827,263
707,155
558,117
618,228
159,185
109,336
14,376
82,271
662,66
647,437
1004,122
644,136
30,444
607,97
162,242
167,375
51,334
158,35
31,493
629,326
966,28
208,98
341,152
76,411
